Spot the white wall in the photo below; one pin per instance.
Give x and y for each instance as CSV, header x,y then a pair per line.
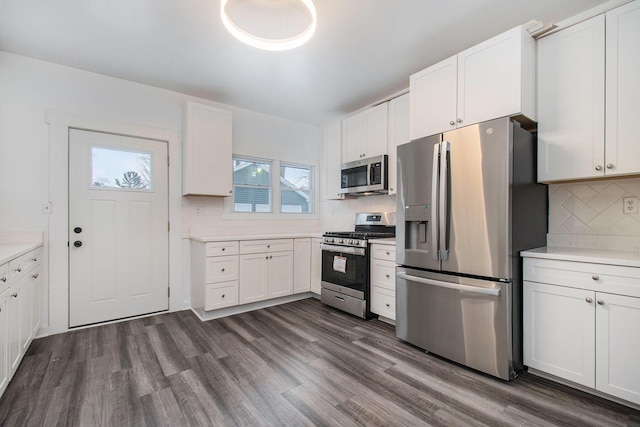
x,y
30,87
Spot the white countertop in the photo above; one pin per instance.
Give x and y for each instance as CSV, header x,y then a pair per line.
x,y
9,251
594,256
218,238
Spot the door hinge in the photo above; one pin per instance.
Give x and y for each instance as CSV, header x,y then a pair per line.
x,y
169,226
168,161
169,292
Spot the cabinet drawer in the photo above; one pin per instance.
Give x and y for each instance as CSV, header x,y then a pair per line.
x,y
221,248
220,297
385,252
4,277
221,269
613,279
383,302
18,267
259,246
383,274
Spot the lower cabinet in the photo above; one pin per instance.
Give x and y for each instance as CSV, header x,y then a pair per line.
x,y
316,265
20,311
265,275
383,280
581,324
302,266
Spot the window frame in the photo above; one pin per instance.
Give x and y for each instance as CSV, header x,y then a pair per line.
x,y
310,191
270,188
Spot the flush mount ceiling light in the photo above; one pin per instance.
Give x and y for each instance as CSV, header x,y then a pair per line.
x,y
263,23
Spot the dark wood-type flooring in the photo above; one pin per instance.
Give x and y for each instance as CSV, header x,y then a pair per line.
x,y
295,364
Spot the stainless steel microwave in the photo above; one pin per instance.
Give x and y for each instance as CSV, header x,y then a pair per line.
x,y
366,176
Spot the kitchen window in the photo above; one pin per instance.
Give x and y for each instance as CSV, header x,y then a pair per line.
x,y
296,193
251,185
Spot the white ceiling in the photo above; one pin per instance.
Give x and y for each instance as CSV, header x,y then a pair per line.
x,y
363,50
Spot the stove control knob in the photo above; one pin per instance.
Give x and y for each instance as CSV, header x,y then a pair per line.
x,y
350,242
330,239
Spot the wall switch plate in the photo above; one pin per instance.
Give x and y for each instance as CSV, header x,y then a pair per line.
x,y
630,205
46,208
199,210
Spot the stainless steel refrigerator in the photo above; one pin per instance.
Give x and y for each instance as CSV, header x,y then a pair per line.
x,y
467,204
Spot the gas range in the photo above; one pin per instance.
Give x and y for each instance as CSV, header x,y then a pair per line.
x,y
355,238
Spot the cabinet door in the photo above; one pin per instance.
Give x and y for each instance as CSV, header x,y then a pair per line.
x,y
618,346
280,274
253,276
376,130
571,102
4,341
26,331
432,99
493,78
353,138
398,134
332,159
36,299
316,266
14,328
623,90
558,332
207,161
302,265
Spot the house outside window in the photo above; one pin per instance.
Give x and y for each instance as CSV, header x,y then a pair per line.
x,y
251,185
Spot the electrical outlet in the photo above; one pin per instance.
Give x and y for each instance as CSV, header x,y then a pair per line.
x,y
630,205
46,208
199,210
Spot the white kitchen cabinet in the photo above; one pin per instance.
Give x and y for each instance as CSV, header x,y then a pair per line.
x,y
587,98
558,331
207,151
35,276
398,134
316,265
266,269
383,280
302,265
5,373
365,134
214,274
495,78
332,158
580,321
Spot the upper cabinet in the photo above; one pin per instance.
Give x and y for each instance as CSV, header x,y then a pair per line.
x,y
365,134
493,79
398,134
331,161
207,151
587,98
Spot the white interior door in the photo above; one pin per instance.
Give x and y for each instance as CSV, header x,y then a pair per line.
x,y
118,227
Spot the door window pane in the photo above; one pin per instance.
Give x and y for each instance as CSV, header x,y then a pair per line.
x,y
118,169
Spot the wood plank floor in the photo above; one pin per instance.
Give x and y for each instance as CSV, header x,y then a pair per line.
x,y
295,364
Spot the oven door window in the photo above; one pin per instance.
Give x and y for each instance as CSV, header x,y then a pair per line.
x,y
344,269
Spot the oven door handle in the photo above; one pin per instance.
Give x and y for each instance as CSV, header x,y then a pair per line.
x,y
343,249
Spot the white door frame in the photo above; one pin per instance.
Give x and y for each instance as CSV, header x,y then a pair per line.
x,y
57,306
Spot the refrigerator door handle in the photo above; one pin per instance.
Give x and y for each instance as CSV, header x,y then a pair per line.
x,y
447,285
444,200
434,201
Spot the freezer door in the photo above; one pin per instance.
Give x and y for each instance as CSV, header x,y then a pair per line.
x,y
416,212
474,215
463,320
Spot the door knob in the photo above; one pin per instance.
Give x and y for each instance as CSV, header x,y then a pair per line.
x,y
77,243
77,230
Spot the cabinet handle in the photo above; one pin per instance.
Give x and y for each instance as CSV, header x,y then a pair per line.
x,y
388,253
595,277
15,295
18,269
452,123
459,120
589,300
270,256
223,295
35,260
3,279
222,270
387,305
223,249
387,275
267,257
35,276
230,191
609,165
598,167
600,302
268,246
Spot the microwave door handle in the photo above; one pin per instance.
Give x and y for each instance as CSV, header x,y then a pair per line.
x,y
434,201
372,173
445,163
